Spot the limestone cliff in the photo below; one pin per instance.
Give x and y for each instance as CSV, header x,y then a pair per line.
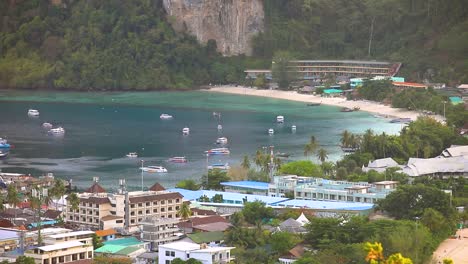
x,y
232,23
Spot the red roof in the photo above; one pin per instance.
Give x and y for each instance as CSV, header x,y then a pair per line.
x,y
96,188
157,187
410,84
196,221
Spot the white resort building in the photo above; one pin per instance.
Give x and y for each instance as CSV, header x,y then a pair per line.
x,y
186,250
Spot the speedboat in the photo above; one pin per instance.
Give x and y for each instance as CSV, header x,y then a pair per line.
x,y
33,112
154,169
222,141
4,144
47,125
293,128
271,131
220,127
57,131
219,166
217,114
185,131
280,119
165,116
178,160
282,155
132,155
218,151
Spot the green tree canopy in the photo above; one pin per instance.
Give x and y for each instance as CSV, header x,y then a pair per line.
x,y
301,168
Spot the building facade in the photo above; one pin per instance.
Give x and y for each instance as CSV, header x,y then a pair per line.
x,y
159,231
124,210
185,250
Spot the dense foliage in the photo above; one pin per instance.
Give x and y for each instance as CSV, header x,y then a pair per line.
x,y
94,44
429,37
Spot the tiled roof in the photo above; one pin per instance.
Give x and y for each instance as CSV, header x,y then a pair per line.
x,y
218,226
157,187
297,251
52,214
155,197
110,217
95,188
107,232
95,200
199,211
195,221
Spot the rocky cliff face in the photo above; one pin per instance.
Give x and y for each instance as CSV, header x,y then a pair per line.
x,y
232,23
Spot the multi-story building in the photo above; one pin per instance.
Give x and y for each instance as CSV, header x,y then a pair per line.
x,y
63,248
320,69
123,210
319,189
186,250
159,231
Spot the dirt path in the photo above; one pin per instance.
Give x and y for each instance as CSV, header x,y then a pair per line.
x,y
455,249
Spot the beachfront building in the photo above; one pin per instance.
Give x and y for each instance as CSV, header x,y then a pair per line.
x,y
357,82
247,187
158,231
309,188
63,248
318,69
123,210
254,74
438,167
399,86
186,250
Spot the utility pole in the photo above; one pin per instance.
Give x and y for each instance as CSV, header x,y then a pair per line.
x,y
272,165
39,194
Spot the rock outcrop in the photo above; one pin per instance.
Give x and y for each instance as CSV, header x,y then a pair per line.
x,y
232,23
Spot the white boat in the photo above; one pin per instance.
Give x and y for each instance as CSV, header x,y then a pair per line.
x,y
219,166
271,131
57,131
33,112
280,119
154,169
178,160
47,125
186,131
132,155
293,128
220,127
222,140
4,152
165,116
218,151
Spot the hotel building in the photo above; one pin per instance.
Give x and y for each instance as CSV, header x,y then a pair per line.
x,y
124,210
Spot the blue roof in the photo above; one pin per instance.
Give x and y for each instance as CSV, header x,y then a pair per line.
x,y
329,91
327,205
130,241
8,234
43,223
456,99
228,197
248,184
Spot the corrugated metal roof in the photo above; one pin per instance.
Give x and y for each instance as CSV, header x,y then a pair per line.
x,y
76,233
63,245
247,184
109,249
228,197
130,241
326,205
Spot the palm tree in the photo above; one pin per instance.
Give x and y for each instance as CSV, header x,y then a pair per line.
x,y
74,201
258,158
345,136
57,191
245,162
311,146
12,196
322,155
367,140
184,212
2,200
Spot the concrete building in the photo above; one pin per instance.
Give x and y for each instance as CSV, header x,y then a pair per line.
x,y
186,250
63,248
123,210
439,167
158,231
247,187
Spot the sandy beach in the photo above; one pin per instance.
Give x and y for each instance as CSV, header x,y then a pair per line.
x,y
455,249
368,106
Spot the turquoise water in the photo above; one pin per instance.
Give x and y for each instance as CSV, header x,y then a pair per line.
x,y
102,127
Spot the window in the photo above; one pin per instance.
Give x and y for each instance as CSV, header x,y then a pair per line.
x,y
168,261
177,200
155,210
177,207
220,256
172,253
140,212
119,221
148,211
132,221
163,210
148,203
170,208
61,259
162,202
140,204
155,203
82,255
170,201
188,256
168,253
90,254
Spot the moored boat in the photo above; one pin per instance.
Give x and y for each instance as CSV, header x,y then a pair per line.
x,y
403,120
282,155
154,169
314,104
280,119
218,151
33,112
220,127
219,166
57,131
178,159
222,140
185,131
47,125
165,117
132,155
4,144
271,131
293,128
4,152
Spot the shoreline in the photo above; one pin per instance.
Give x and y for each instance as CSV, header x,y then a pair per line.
x,y
379,109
